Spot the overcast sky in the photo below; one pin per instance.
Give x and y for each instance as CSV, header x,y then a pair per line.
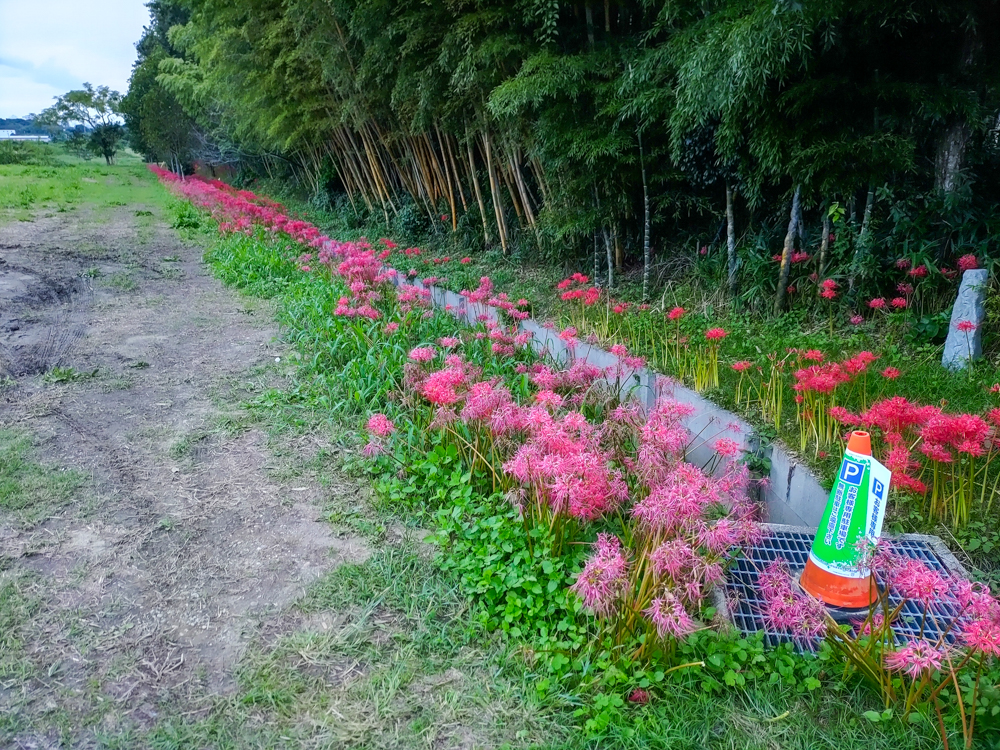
x,y
49,47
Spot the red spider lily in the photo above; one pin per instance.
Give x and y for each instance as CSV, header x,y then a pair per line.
x,y
967,262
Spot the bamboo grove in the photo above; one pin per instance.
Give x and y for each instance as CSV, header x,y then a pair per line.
x,y
614,135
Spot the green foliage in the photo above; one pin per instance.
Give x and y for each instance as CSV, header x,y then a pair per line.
x,y
27,153
186,216
379,109
731,691
30,492
99,109
433,480
158,126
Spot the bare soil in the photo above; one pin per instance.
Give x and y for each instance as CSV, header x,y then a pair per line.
x,y
184,541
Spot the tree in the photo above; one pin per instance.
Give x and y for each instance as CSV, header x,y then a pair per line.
x,y
98,110
527,115
78,144
158,126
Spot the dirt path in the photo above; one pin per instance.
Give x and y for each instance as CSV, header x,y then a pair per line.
x,y
181,541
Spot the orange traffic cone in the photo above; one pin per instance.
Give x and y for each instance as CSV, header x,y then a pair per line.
x,y
840,590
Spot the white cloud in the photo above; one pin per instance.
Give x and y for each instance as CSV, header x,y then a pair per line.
x,y
48,47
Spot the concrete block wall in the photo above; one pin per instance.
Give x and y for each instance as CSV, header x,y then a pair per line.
x,y
794,496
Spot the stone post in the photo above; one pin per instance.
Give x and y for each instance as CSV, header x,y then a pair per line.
x,y
970,307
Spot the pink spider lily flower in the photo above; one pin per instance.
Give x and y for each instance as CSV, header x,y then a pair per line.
x,y
604,578
915,659
726,447
422,354
379,424
669,617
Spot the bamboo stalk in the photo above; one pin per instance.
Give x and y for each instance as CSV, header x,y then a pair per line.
x,y
372,173
350,156
448,182
360,168
424,178
495,192
380,167
454,169
508,182
441,176
377,176
479,194
522,189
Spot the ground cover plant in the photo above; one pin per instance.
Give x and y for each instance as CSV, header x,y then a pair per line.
x,y
573,523
785,377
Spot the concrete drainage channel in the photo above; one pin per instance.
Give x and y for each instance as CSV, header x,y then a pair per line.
x,y
793,496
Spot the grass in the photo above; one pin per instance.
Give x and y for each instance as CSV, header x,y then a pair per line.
x,y
123,282
18,604
752,336
384,654
31,492
387,653
387,662
322,393
67,183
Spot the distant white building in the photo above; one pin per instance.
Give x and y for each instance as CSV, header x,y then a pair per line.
x,y
10,135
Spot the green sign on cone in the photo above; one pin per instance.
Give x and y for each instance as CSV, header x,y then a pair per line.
x,y
835,572
855,511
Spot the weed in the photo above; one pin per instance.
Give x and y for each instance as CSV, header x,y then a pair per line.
x,y
67,375
166,524
123,282
186,216
189,445
31,492
117,383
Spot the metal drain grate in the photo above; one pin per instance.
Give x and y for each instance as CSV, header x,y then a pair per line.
x,y
792,545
